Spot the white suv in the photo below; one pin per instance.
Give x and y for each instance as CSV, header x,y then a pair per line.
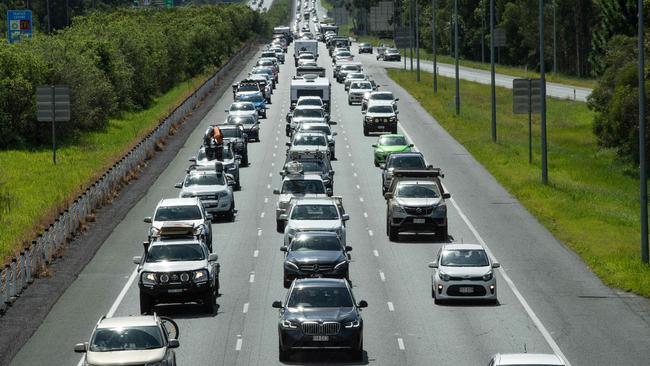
x,y
315,214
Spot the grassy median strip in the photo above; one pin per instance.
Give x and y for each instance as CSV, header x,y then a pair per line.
x,y
591,203
33,190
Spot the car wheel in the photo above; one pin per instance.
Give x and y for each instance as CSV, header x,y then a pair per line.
x,y
365,131
238,185
333,157
357,354
443,233
231,212
284,354
146,304
287,283
209,300
279,226
376,163
245,159
349,102
393,233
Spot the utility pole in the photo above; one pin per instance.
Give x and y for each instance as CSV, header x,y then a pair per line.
x,y
542,74
411,29
493,90
417,38
456,57
433,38
554,37
643,176
482,32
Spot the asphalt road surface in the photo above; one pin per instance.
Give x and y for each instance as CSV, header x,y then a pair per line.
x,y
549,301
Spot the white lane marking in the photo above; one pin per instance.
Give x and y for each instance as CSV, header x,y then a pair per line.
x,y
400,344
239,342
270,175
358,186
259,232
275,146
355,174
277,138
345,138
266,200
347,146
390,306
351,164
370,233
272,164
365,214
375,252
344,132
245,310
256,253
349,154
274,155
251,278
382,276
361,199
531,314
268,186
262,215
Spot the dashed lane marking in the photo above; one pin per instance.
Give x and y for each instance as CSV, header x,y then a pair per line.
x,y
382,276
370,233
262,215
400,344
365,214
390,306
266,200
239,343
256,253
358,186
245,309
361,199
375,252
259,232
251,277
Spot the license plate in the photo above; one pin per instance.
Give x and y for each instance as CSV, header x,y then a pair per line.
x,y
321,338
466,290
175,290
380,127
418,221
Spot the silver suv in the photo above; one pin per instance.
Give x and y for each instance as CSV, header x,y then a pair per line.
x,y
177,271
171,214
324,128
315,214
212,189
131,340
309,142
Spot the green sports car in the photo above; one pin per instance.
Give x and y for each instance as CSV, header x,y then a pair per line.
x,y
388,144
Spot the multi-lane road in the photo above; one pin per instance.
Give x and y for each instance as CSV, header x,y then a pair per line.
x,y
549,301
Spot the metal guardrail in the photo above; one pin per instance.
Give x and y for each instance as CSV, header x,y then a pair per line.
x,y
20,272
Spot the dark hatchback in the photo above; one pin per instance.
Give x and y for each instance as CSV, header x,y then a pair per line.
x,y
320,314
315,254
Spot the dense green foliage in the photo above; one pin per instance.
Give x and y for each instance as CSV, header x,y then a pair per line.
x,y
114,62
278,14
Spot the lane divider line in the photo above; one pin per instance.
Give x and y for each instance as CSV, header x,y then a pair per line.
x,y
256,253
251,277
239,343
390,306
245,309
382,276
400,344
375,252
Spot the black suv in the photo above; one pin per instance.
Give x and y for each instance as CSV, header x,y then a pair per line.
x,y
315,254
320,313
239,139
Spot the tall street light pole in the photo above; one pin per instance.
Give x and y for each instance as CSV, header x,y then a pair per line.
x,y
456,56
643,176
417,38
433,38
555,38
411,30
542,74
493,89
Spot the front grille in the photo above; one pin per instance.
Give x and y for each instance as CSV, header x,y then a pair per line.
x,y
418,210
316,267
173,278
326,328
479,278
381,120
206,197
455,291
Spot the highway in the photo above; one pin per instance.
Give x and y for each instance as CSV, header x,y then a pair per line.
x,y
549,301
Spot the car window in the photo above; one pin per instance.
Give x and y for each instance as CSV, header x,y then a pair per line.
x,y
204,180
312,166
310,140
417,191
246,120
126,339
315,212
178,213
230,133
382,96
320,297
392,140
407,162
464,258
310,101
248,87
380,109
303,186
175,253
308,113
361,86
308,243
242,107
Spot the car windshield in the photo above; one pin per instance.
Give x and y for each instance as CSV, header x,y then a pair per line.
x,y
356,75
175,253
204,180
315,212
312,166
246,120
350,68
464,258
310,101
323,129
303,186
230,133
380,109
242,107
344,53
306,56
262,70
308,113
320,297
418,191
361,86
177,213
392,50
382,96
310,140
407,162
202,156
248,87
265,63
307,243
126,339
392,140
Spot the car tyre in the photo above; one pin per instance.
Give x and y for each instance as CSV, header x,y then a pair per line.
x,y
443,233
279,226
209,301
286,282
284,354
146,304
365,131
357,354
230,215
393,233
376,163
244,161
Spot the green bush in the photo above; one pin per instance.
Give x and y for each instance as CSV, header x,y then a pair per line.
x,y
115,62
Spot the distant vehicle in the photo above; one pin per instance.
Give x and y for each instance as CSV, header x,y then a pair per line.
x,y
305,45
463,272
320,314
314,163
313,86
391,54
309,142
342,70
388,144
322,128
242,109
357,90
235,135
177,271
525,359
131,340
212,188
353,76
304,114
315,254
250,126
384,96
380,117
365,48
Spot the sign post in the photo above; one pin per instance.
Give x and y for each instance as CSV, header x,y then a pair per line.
x,y
20,25
53,105
526,100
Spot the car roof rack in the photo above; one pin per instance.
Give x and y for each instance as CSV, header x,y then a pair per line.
x,y
429,172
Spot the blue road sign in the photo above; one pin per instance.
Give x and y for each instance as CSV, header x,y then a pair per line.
x,y
20,25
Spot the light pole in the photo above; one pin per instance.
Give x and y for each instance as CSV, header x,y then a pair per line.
x,y
493,90
643,176
411,30
433,38
542,74
456,56
555,39
417,38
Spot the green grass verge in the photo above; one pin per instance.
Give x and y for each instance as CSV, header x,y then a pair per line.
x,y
501,69
33,190
591,203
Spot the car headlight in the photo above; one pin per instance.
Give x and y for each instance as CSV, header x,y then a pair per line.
x,y
393,119
199,230
352,324
488,276
398,209
154,231
201,276
288,324
291,265
222,194
341,264
231,167
149,278
368,119
443,276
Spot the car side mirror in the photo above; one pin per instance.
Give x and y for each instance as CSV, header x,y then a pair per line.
x,y
192,159
238,157
411,145
364,112
283,249
388,195
345,217
329,192
276,191
396,112
277,305
331,172
178,185
137,259
225,110
374,145
362,304
147,220
348,248
496,265
382,166
396,99
284,217
433,265
213,257
288,144
209,217
80,348
173,343
334,134
446,195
